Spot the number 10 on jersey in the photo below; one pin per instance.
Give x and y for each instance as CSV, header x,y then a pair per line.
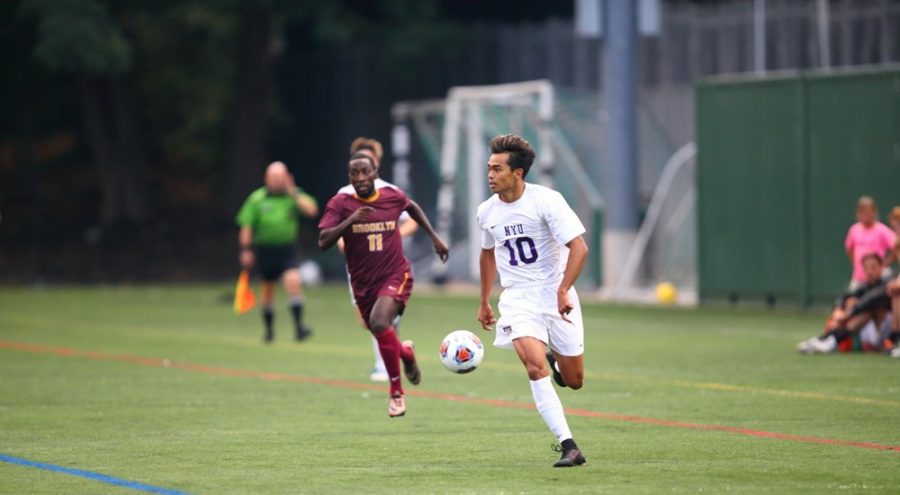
x,y
520,244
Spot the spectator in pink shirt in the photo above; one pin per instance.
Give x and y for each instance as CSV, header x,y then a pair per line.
x,y
868,235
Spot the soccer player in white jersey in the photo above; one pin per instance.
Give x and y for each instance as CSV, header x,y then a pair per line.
x,y
534,239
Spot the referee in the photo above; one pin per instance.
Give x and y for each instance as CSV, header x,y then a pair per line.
x,y
269,222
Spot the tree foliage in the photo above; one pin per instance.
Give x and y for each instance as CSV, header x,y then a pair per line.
x,y
78,37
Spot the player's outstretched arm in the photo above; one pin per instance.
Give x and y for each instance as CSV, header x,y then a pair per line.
x,y
329,236
416,213
578,252
487,265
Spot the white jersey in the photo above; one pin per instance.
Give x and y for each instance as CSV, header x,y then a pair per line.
x,y
529,235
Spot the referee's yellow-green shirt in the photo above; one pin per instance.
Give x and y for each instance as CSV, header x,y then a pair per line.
x,y
274,218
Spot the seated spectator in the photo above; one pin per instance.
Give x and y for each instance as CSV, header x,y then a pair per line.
x,y
868,235
893,291
853,309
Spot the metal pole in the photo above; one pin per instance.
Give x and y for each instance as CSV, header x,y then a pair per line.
x,y
759,36
619,93
824,31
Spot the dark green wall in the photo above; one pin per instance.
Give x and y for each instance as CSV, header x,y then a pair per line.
x,y
781,162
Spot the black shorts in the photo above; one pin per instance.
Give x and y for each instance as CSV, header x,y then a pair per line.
x,y
272,261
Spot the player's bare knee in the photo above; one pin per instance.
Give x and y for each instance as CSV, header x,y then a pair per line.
x,y
536,371
575,383
378,326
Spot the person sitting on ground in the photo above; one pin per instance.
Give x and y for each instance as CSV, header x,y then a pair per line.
x,y
853,309
893,291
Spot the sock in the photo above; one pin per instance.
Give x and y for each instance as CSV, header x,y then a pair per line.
x,y
840,334
297,311
406,354
550,408
269,318
379,363
389,347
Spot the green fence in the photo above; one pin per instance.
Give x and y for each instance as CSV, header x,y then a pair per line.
x,y
781,162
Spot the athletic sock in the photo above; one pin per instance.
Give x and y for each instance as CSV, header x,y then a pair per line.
x,y
297,311
296,305
840,334
389,347
268,319
406,353
549,406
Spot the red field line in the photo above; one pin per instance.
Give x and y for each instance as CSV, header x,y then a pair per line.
x,y
282,377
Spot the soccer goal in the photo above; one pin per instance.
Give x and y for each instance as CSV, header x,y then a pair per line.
x,y
440,154
665,248
452,136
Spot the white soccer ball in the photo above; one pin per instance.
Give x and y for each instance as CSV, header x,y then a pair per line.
x,y
311,273
461,351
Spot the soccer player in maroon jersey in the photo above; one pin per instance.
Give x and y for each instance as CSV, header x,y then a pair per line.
x,y
379,272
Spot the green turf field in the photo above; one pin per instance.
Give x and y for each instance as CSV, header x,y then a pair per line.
x,y
165,386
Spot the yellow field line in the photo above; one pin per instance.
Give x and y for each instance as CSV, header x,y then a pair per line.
x,y
727,387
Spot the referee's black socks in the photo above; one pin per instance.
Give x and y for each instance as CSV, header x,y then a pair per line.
x,y
269,319
297,312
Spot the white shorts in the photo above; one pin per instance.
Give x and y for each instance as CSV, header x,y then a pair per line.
x,y
532,312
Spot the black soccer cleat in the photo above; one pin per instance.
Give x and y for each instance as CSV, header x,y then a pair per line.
x,y
557,376
303,332
570,458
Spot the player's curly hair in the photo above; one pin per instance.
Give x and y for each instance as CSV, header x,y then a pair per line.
x,y
364,143
520,153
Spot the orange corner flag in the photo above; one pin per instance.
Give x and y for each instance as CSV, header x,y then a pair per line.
x,y
244,299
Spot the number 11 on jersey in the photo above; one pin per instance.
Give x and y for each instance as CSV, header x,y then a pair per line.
x,y
375,242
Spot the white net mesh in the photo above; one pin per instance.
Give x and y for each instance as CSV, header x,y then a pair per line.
x,y
449,148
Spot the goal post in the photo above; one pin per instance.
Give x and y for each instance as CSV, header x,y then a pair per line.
x,y
455,134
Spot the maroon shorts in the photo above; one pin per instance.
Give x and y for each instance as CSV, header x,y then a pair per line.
x,y
398,287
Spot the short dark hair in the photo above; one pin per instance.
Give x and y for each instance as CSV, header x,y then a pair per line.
x,y
363,156
520,153
874,256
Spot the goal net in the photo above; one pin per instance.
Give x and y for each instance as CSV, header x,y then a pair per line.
x,y
440,154
452,136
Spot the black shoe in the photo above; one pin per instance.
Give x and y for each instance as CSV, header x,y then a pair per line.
x,y
303,333
570,458
268,337
557,377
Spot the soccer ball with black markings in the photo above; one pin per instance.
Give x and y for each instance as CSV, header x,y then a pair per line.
x,y
461,351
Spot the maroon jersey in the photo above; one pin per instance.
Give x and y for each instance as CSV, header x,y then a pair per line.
x,y
373,249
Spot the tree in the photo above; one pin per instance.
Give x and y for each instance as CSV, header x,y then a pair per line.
x,y
254,89
82,40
